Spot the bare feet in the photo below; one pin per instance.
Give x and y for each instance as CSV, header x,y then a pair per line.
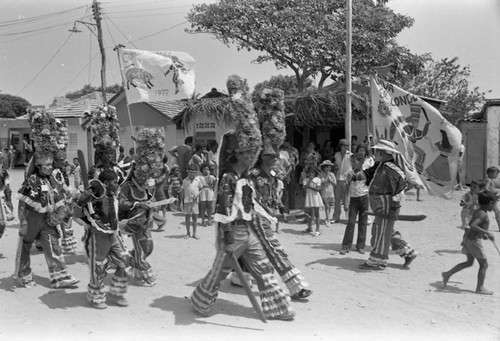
x,y
446,278
196,237
187,236
483,291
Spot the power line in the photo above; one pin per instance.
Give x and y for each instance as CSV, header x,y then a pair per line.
x,y
78,74
147,15
38,17
154,34
132,3
147,9
121,32
36,30
46,64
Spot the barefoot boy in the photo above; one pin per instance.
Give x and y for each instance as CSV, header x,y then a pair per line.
x,y
472,244
191,191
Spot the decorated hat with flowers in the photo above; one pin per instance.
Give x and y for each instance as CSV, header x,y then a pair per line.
x,y
105,128
270,106
43,131
149,152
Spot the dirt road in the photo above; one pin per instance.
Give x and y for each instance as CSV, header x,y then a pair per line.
x,y
347,304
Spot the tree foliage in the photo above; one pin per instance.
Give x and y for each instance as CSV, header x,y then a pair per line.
x,y
447,80
12,106
308,36
88,89
286,83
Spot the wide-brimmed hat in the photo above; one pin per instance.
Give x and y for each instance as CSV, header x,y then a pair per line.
x,y
386,145
326,163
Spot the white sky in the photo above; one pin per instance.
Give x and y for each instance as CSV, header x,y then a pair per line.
x,y
469,29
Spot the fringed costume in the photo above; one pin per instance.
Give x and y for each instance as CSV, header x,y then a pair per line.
x,y
237,214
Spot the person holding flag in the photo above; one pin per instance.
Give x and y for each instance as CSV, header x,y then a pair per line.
x,y
387,181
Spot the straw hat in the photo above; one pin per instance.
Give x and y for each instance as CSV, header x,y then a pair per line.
x,y
326,163
386,145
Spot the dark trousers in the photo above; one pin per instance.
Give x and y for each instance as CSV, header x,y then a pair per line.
x,y
357,208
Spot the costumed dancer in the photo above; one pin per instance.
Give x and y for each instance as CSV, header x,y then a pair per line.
x,y
6,207
237,215
264,178
135,196
99,204
68,240
42,208
386,181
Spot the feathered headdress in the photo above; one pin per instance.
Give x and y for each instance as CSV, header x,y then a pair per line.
x,y
150,150
105,128
62,139
43,128
271,108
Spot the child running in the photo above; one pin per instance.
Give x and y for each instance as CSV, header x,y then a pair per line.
x,y
492,173
357,204
208,183
191,191
328,182
472,245
312,185
469,203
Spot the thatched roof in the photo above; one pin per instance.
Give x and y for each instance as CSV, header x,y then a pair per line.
x,y
323,107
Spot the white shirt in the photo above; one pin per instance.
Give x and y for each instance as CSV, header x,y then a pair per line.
x,y
343,165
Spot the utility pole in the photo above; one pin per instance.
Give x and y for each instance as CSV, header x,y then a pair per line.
x,y
96,10
348,85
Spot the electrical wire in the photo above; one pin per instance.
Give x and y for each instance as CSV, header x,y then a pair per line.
x,y
36,30
147,15
46,64
154,34
147,9
78,74
121,32
39,17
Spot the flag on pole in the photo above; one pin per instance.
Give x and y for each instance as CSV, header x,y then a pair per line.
x,y
429,143
156,75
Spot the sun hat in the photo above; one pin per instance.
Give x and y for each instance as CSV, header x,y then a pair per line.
x,y
326,163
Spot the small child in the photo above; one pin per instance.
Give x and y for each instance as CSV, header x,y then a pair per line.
x,y
191,192
492,173
78,173
469,202
175,187
328,183
473,247
208,183
312,185
357,204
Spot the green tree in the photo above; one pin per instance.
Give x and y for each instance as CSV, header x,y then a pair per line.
x,y
12,106
286,83
308,36
88,89
447,80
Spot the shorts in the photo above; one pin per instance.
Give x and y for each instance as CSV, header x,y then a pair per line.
x,y
328,200
191,208
473,248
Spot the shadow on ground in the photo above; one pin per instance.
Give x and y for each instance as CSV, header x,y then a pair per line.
x,y
61,299
441,252
184,315
449,288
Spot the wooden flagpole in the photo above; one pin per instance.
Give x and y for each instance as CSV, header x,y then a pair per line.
x,y
348,90
117,49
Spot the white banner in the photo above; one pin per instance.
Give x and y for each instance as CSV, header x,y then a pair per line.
x,y
157,75
424,137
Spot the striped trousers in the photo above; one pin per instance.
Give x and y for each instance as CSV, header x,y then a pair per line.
x,y
383,234
103,248
249,249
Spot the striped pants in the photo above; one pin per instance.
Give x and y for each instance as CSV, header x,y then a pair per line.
x,y
143,247
68,241
36,228
278,257
383,234
101,249
248,248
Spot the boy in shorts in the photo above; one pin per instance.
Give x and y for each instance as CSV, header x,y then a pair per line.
x,y
472,244
191,187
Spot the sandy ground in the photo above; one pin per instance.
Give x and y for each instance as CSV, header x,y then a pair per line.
x,y
347,303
